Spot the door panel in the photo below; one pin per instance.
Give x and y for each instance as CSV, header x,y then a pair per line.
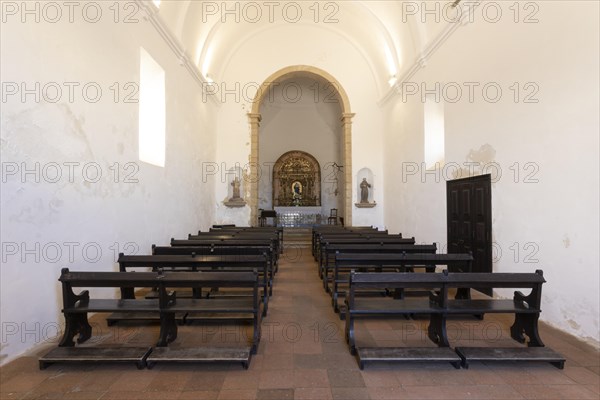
x,y
469,219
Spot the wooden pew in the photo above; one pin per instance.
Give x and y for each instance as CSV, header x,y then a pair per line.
x,y
259,229
394,262
231,242
384,239
195,263
318,229
331,249
224,250
526,309
322,237
77,306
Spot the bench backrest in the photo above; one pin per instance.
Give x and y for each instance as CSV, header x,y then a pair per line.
x,y
192,261
151,279
381,248
448,279
401,259
208,250
229,242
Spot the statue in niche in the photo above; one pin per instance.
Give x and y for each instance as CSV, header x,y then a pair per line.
x,y
236,190
364,191
297,188
296,193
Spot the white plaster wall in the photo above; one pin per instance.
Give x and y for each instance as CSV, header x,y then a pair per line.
x,y
281,46
50,223
546,217
303,116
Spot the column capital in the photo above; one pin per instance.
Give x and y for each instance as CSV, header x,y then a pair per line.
x,y
347,118
254,118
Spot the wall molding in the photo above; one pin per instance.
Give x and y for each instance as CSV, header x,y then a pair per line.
x,y
421,60
152,15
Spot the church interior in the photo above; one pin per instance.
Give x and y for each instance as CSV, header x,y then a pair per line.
x,y
280,140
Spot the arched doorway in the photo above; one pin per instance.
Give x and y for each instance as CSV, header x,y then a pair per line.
x,y
346,128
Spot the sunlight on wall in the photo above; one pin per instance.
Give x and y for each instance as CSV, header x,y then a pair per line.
x,y
156,3
434,131
391,65
152,111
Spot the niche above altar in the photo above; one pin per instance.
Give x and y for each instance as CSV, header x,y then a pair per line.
x,y
296,180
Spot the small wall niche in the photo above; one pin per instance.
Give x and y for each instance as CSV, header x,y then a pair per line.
x,y
235,187
365,189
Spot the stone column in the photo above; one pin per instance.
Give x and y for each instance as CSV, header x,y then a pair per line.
x,y
252,179
348,181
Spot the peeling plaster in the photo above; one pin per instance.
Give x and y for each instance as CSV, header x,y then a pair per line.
x,y
486,155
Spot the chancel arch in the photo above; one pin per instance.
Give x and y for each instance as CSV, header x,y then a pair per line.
x,y
318,90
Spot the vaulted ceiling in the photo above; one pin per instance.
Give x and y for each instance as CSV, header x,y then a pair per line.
x,y
390,35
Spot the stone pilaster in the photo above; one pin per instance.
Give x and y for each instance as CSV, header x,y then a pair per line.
x,y
252,188
349,183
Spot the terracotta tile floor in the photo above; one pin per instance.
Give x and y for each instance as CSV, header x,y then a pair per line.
x,y
302,355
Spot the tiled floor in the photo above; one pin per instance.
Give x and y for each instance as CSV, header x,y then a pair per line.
x,y
303,355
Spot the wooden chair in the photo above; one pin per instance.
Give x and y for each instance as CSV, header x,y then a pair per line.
x,y
333,217
264,214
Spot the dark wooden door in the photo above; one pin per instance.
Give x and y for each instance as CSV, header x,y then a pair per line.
x,y
469,215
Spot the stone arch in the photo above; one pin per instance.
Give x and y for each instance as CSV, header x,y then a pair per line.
x,y
255,118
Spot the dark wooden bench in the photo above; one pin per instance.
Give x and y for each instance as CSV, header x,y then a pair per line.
x,y
272,256
258,229
331,249
383,239
323,237
346,262
319,229
195,263
439,306
277,243
231,242
76,308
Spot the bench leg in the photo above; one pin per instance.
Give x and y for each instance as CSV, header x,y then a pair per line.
x,y
75,324
265,304
127,293
349,332
463,294
256,333
526,324
168,329
437,330
197,293
334,301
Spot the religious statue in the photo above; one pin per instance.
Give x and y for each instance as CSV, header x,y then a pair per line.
x,y
236,190
235,200
297,189
364,191
296,193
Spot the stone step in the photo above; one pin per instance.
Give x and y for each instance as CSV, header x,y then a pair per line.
x,y
297,237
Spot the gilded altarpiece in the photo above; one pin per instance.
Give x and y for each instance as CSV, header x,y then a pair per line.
x,y
296,180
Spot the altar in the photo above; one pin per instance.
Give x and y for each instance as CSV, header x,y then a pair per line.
x,y
298,216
